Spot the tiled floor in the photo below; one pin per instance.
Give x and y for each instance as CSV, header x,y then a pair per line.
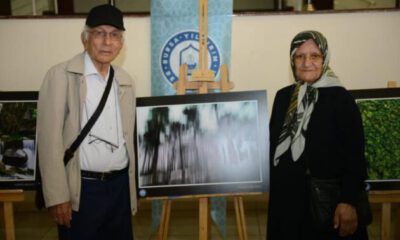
x,y
37,225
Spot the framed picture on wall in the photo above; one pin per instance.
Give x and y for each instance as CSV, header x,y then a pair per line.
x,y
380,112
200,144
18,148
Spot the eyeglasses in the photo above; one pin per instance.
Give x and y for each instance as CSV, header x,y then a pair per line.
x,y
312,58
114,36
95,139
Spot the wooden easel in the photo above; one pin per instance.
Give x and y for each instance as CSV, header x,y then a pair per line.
x,y
7,198
202,80
204,216
387,198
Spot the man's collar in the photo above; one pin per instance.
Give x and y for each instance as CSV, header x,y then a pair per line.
x,y
89,66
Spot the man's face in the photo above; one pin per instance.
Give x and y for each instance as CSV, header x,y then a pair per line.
x,y
103,44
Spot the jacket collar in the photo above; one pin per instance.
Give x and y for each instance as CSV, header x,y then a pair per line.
x,y
76,64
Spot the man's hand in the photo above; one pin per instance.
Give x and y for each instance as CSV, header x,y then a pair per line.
x,y
62,214
345,220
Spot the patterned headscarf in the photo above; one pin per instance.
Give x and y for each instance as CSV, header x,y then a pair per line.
x,y
303,99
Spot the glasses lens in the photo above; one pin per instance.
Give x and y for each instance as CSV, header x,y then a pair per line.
x,y
312,57
114,36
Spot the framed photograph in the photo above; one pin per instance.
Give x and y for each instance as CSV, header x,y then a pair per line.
x,y
198,144
18,148
380,112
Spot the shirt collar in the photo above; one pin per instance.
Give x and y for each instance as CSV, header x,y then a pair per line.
x,y
90,68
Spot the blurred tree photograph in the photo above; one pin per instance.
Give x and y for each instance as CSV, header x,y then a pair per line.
x,y
202,144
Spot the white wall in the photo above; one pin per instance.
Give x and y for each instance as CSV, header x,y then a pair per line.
x,y
364,45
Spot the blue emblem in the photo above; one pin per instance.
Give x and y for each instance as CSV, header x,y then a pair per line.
x,y
190,56
183,48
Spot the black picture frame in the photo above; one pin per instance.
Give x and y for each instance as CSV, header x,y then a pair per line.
x,y
380,112
18,140
201,144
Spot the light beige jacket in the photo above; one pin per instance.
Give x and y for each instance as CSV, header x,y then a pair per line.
x,y
60,107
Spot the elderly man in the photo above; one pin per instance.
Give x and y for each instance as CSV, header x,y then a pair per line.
x,y
94,194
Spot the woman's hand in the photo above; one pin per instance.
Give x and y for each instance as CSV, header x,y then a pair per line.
x,y
345,219
62,214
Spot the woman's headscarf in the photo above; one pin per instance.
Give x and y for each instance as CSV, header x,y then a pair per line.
x,y
303,98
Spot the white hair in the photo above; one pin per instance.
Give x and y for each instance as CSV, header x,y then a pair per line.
x,y
85,33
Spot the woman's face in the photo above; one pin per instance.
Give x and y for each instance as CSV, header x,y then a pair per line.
x,y
308,62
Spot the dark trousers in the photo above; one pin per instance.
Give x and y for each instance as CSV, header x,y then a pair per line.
x,y
104,212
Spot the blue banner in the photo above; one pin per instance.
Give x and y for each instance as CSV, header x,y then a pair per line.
x,y
174,39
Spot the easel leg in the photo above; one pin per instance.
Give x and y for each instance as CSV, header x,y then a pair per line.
x,y
386,221
7,197
240,219
204,219
164,222
9,221
397,233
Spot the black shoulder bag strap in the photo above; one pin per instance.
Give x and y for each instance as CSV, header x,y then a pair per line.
x,y
69,153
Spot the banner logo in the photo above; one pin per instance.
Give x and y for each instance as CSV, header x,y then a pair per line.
x,y
182,48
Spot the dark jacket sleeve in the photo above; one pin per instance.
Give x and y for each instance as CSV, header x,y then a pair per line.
x,y
335,141
352,141
279,108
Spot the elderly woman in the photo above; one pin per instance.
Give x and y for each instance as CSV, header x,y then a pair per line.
x,y
316,132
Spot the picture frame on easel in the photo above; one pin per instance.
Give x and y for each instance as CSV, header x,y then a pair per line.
x,y
201,144
380,112
18,148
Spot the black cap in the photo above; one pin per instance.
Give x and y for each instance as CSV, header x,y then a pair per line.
x,y
105,15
